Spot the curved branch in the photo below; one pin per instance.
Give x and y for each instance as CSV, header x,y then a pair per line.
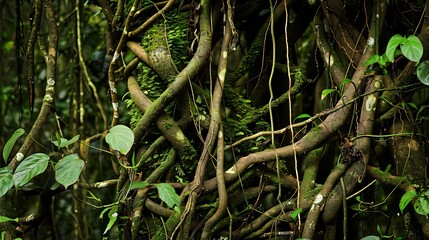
x,y
151,20
48,99
223,196
194,66
166,124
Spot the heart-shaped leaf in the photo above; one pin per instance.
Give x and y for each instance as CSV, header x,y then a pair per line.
x,y
392,45
412,48
30,167
68,169
120,138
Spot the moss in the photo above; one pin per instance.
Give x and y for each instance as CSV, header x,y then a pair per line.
x,y
167,47
169,226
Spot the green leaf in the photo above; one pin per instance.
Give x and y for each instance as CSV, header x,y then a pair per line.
x,y
11,142
383,60
418,208
120,138
295,213
142,184
425,193
326,92
168,194
177,209
371,60
55,186
392,45
102,213
406,199
388,168
30,167
413,105
6,180
423,72
113,215
421,110
422,206
68,169
371,237
240,133
6,219
343,83
304,115
63,142
412,48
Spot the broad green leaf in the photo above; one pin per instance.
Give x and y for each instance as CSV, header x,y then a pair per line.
x,y
418,208
11,142
406,199
120,138
68,169
392,45
296,213
142,184
371,60
304,115
383,60
6,219
422,206
371,237
113,215
6,180
326,92
423,72
62,142
30,167
412,48
168,194
425,204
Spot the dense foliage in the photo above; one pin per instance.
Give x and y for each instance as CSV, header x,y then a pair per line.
x,y
214,119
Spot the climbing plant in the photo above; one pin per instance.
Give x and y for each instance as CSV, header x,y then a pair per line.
x,y
214,119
